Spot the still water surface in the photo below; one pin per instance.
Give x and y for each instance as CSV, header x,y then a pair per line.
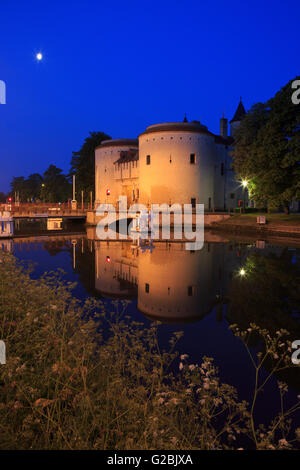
x,y
200,293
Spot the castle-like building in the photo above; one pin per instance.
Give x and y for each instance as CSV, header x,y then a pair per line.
x,y
178,162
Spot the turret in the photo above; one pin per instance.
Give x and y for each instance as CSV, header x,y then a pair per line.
x,y
224,127
238,116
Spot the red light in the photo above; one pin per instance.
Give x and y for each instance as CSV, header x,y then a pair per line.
x,y
108,192
9,199
108,259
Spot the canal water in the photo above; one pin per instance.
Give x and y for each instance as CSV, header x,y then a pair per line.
x,y
200,293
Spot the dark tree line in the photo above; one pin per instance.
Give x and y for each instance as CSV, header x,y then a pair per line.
x,y
83,163
54,185
3,197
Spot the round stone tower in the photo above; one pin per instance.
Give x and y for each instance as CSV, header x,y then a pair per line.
x,y
176,164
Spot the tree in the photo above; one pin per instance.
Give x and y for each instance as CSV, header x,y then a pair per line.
x,y
33,186
27,189
267,150
2,197
83,162
55,186
18,185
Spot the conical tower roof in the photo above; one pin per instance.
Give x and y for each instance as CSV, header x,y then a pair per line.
x,y
240,113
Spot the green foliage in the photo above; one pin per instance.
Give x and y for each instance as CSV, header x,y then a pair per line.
x,y
268,294
83,163
267,150
275,356
55,186
28,189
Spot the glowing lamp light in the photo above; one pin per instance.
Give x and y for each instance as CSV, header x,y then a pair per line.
x,y
108,259
244,183
108,192
39,56
242,272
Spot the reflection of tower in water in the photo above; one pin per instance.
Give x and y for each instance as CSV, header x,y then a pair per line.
x,y
116,269
171,283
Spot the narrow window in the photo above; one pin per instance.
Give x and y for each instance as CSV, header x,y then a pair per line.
x,y
231,195
190,291
192,159
147,288
222,169
148,158
169,290
193,202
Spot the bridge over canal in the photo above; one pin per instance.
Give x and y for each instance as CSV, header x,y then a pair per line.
x,y
39,211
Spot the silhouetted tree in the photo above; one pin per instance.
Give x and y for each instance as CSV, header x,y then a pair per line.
x,y
55,186
2,197
28,189
83,163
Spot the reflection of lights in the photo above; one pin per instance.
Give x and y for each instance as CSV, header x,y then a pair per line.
x,y
244,183
108,259
242,272
107,192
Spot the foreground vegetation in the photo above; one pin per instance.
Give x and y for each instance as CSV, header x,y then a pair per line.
x,y
67,385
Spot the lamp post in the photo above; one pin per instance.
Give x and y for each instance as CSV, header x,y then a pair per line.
x,y
74,202
244,184
43,193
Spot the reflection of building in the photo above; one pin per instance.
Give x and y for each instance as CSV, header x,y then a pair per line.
x,y
170,163
6,245
54,224
171,283
6,225
116,269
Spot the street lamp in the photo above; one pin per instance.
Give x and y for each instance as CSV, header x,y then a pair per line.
x,y
244,184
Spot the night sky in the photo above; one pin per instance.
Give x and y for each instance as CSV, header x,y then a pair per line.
x,y
118,67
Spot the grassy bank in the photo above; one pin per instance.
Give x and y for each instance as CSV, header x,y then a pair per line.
x,y
66,387
280,219
276,225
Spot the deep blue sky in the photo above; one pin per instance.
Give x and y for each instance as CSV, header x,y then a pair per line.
x,y
119,66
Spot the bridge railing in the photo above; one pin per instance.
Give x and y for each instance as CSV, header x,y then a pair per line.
x,y
43,208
